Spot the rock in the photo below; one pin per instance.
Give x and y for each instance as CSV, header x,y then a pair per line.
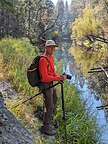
x,y
12,131
7,91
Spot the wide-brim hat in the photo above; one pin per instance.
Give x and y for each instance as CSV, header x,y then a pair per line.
x,y
50,43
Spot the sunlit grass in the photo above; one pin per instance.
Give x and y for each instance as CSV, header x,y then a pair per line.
x,y
81,125
16,56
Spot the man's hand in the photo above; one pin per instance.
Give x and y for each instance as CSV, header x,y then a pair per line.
x,y
63,77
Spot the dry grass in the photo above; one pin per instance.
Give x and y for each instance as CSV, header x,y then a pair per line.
x,y
3,69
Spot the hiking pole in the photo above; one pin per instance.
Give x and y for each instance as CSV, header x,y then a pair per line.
x,y
63,109
35,95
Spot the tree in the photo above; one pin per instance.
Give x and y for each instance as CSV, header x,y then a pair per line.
x,y
6,4
31,18
8,20
86,25
91,49
37,18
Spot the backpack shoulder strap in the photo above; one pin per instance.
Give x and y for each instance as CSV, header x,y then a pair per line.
x,y
45,58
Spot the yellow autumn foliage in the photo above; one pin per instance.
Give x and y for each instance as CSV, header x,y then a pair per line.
x,y
89,60
90,54
87,24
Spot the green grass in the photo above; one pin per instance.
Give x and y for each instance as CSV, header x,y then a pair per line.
x,y
81,126
18,55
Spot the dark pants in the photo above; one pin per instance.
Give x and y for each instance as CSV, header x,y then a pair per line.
x,y
50,100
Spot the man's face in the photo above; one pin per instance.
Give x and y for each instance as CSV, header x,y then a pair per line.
x,y
50,50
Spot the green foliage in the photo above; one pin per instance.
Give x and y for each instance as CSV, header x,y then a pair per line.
x,y
18,55
7,4
81,125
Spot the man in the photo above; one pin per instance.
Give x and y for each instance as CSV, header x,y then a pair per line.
x,y
48,75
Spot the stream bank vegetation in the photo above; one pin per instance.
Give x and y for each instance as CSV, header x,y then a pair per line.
x,y
82,128
90,49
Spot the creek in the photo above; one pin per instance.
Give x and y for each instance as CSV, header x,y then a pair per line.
x,y
87,95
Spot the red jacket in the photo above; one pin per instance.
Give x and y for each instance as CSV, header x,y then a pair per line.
x,y
47,70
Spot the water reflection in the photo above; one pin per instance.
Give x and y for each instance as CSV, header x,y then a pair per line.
x,y
88,94
90,98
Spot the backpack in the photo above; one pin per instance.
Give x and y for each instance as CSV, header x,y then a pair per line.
x,y
33,72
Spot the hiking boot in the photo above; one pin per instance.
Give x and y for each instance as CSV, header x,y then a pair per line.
x,y
48,130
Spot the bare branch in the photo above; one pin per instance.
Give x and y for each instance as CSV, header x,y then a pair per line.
x,y
100,69
98,38
104,71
